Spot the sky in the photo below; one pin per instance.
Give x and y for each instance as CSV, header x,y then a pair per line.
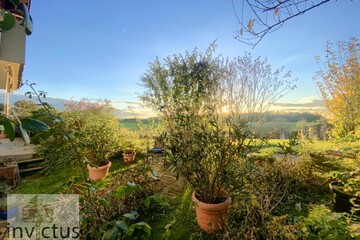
x,y
100,49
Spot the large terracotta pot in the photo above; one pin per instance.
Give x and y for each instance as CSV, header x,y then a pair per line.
x,y
129,157
211,217
96,173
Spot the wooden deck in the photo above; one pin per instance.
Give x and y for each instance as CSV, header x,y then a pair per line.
x,y
16,149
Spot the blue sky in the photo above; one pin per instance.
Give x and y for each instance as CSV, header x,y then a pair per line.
x,y
96,50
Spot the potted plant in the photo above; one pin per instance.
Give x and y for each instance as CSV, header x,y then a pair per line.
x,y
346,189
15,11
129,152
99,142
207,153
2,132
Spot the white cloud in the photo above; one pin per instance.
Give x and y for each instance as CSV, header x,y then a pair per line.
x,y
307,100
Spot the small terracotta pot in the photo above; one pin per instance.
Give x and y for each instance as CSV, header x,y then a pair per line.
x,y
96,173
2,135
129,157
211,217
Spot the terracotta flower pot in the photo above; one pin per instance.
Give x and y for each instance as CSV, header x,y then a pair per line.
x,y
129,157
2,135
211,217
97,173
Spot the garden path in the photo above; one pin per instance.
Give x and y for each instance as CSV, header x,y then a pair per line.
x,y
168,186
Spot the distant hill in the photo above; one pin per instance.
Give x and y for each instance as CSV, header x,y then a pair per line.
x,y
57,103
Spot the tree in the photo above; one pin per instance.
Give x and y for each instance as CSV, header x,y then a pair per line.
x,y
251,87
25,108
339,85
185,84
198,84
260,17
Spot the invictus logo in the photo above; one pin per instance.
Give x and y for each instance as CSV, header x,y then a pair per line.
x,y
44,216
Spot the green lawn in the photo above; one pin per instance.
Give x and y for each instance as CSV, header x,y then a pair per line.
x,y
58,181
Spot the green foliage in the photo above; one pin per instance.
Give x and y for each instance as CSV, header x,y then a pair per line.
x,y
130,141
350,180
190,92
123,208
34,125
8,20
324,224
182,83
96,138
208,153
124,230
8,127
28,124
24,108
288,148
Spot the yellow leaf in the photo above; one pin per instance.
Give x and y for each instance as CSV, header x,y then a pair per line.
x,y
276,11
250,24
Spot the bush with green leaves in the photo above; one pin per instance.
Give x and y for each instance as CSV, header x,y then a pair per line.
x,y
324,224
122,206
96,138
209,154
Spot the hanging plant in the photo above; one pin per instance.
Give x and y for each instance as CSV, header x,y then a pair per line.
x,y
12,11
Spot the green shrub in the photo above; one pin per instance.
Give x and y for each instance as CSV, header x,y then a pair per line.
x,y
324,224
95,137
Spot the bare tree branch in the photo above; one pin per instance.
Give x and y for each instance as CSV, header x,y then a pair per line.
x,y
257,18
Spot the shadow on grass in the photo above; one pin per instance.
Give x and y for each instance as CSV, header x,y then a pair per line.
x,y
179,222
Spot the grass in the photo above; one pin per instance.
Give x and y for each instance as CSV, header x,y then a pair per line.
x,y
179,223
53,183
266,127
57,181
132,123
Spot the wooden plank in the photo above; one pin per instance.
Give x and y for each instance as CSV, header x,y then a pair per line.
x,y
339,154
30,160
16,149
31,169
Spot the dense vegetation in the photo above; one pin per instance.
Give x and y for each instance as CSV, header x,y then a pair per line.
x,y
278,187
